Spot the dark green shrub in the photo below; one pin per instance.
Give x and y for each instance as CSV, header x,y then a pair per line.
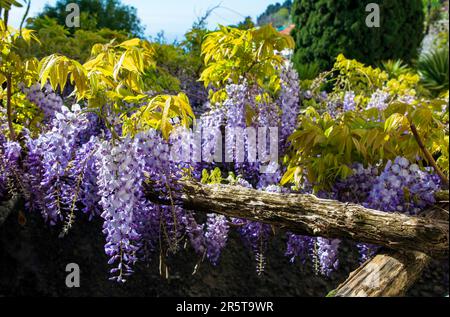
x,y
326,28
395,68
433,69
307,71
98,14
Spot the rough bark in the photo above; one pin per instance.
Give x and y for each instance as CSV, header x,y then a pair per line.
x,y
390,273
309,215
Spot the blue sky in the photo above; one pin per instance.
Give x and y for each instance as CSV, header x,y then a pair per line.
x,y
175,16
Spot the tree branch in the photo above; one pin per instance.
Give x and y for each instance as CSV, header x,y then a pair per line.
x,y
309,215
428,155
24,17
389,273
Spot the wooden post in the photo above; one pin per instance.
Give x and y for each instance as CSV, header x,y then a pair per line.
x,y
390,273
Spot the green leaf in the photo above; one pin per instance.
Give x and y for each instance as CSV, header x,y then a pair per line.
x,y
288,176
394,122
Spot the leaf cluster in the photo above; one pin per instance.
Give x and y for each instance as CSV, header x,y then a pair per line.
x,y
233,55
323,148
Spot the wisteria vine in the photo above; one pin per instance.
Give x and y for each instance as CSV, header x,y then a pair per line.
x,y
77,167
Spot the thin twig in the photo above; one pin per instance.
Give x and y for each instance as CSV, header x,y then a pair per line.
x,y
9,107
24,17
428,155
5,18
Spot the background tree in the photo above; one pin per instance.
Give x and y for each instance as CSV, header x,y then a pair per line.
x,y
56,38
246,24
326,28
277,14
98,14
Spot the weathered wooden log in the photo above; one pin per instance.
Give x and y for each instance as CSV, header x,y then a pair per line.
x,y
309,215
390,273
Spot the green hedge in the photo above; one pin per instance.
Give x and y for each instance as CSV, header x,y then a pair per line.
x,y
326,28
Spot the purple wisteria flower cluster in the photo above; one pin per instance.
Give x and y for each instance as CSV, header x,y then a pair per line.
x,y
327,254
403,187
45,98
289,101
3,167
48,160
379,100
216,236
79,167
299,247
120,186
281,113
135,226
9,165
84,174
349,101
256,236
356,188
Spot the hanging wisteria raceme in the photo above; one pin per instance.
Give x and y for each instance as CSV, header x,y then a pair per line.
x,y
195,232
33,175
9,165
83,173
216,236
151,153
349,101
120,183
207,150
325,251
299,247
240,146
45,98
327,255
256,236
134,226
162,173
263,163
2,167
12,152
289,101
235,106
378,100
54,151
